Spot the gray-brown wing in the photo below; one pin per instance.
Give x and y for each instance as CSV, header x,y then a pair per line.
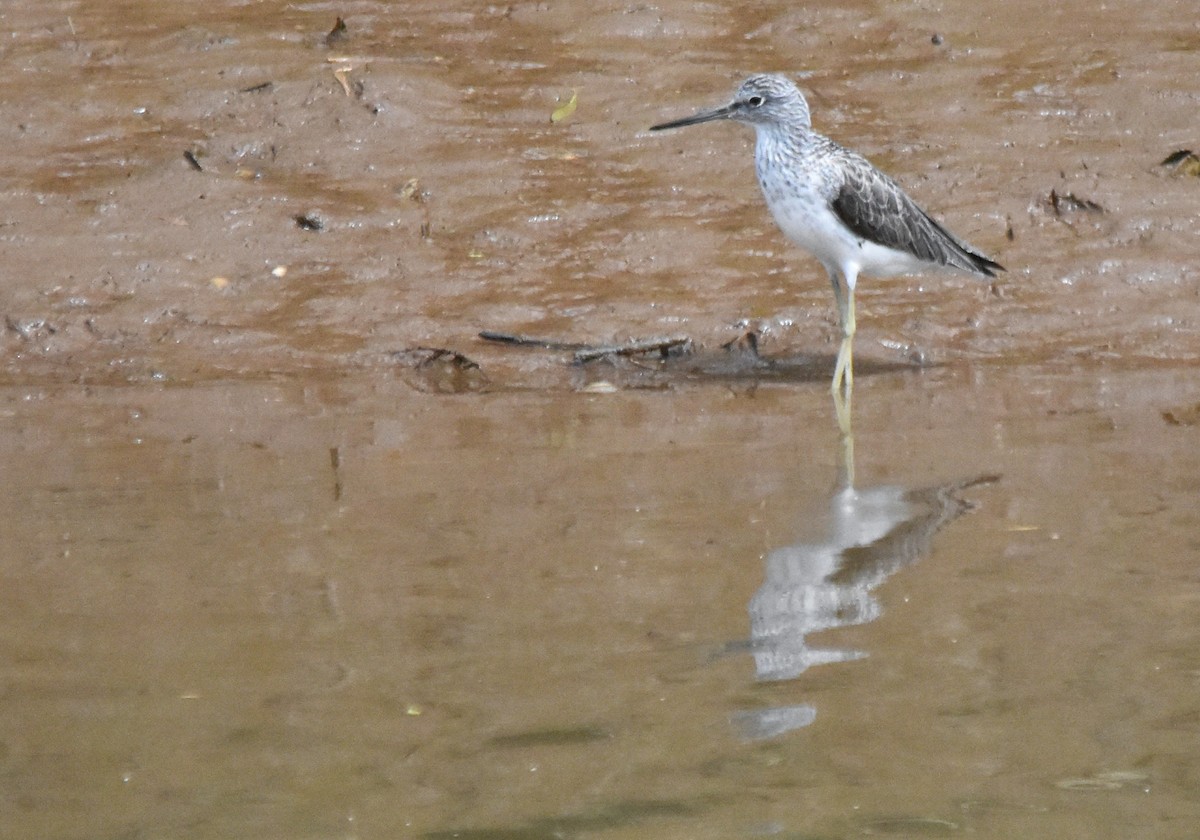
x,y
876,209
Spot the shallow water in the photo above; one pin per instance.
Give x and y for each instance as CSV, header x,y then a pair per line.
x,y
348,609
276,568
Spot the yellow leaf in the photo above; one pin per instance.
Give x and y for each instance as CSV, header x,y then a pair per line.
x,y
564,111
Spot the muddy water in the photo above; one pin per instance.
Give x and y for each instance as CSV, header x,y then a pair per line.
x,y
265,574
349,609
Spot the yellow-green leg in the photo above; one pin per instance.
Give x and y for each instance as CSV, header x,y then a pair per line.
x,y
843,371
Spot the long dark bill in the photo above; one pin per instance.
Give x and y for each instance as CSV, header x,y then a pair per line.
x,y
707,116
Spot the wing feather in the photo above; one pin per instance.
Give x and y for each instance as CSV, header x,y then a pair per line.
x,y
874,207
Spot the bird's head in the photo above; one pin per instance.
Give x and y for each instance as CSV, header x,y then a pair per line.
x,y
761,100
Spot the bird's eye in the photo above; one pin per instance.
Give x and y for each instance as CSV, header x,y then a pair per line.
x,y
754,101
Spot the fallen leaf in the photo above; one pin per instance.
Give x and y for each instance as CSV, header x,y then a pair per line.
x,y
411,190
1183,162
566,110
340,75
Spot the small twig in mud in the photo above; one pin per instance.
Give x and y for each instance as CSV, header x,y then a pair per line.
x,y
528,341
425,356
662,345
193,160
590,352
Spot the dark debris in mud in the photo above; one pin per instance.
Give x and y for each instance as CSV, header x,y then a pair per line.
x,y
1062,204
1185,415
663,362
439,371
1183,162
29,329
310,221
339,33
261,87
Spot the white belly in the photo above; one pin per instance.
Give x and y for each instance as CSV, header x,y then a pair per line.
x,y
807,220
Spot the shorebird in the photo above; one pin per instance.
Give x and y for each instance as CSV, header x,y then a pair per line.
x,y
834,204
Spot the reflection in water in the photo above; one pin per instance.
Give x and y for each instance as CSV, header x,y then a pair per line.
x,y
871,533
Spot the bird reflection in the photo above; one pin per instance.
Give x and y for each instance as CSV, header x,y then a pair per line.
x,y
869,534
